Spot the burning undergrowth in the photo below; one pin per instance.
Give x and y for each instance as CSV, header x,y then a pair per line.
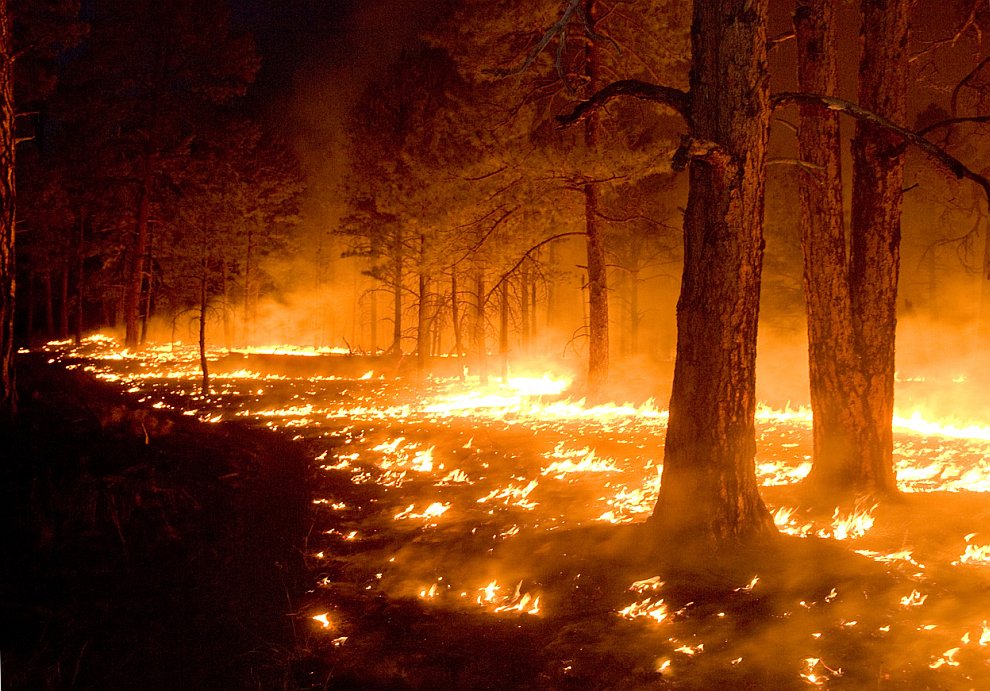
x,y
495,536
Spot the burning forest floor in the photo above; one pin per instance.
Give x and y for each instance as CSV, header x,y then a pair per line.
x,y
493,537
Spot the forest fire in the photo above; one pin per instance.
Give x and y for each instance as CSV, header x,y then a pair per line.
x,y
468,481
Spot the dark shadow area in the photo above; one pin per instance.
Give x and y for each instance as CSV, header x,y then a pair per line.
x,y
143,549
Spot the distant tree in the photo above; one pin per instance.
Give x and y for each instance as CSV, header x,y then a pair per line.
x,y
8,391
156,94
582,44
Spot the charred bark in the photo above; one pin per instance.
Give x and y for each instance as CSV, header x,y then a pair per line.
x,y
709,498
8,391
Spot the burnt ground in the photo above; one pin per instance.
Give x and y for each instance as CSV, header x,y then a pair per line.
x,y
142,550
148,550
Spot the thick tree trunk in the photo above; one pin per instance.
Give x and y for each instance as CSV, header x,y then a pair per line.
x,y
878,181
836,383
709,498
134,280
8,391
597,273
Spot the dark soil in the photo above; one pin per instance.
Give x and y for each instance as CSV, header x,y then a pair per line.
x,y
142,549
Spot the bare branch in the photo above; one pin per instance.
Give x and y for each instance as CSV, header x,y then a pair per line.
x,y
965,80
526,255
957,167
679,100
559,27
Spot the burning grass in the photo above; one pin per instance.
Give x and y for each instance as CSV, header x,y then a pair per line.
x,y
461,527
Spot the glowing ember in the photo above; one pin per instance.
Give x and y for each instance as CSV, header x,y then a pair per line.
x,y
323,619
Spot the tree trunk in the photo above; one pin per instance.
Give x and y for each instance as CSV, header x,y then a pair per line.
x,y
503,330
455,314
8,391
878,181
139,248
49,304
597,276
422,326
80,278
709,498
63,299
524,310
396,347
478,336
203,305
248,277
146,287
852,370
836,383
373,296
634,318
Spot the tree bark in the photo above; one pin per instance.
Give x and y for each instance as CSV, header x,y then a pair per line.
x,y
203,305
852,348
455,314
422,312
878,182
478,336
597,272
709,498
836,383
80,278
396,347
503,330
139,248
8,391
63,298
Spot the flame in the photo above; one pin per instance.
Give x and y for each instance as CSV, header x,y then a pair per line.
x,y
518,601
914,599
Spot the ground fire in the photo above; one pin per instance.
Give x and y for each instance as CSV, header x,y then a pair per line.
x,y
500,508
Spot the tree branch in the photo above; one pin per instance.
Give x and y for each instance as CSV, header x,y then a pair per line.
x,y
526,255
957,167
679,100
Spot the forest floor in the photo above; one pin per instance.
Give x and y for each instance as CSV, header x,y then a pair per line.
x,y
306,531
